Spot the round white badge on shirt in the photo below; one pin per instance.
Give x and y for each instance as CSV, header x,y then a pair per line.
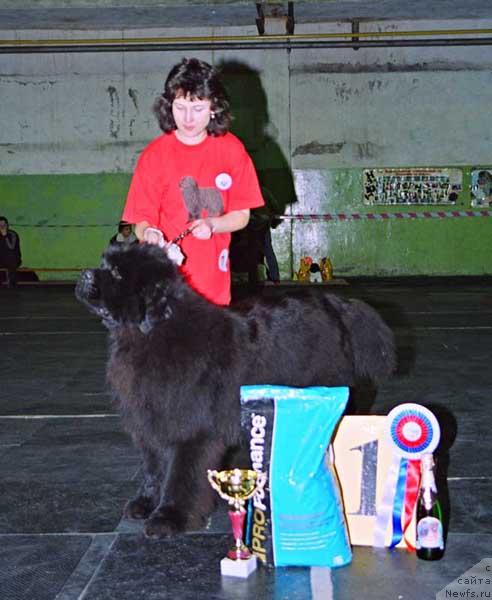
x,y
223,181
223,262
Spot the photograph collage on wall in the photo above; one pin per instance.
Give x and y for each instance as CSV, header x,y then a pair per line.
x,y
481,187
412,186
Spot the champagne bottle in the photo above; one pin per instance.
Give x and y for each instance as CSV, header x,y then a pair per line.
x,y
430,535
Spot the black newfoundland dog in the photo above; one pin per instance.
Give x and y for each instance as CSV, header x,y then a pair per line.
x,y
177,362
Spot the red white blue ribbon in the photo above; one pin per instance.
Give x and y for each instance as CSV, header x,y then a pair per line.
x,y
412,431
411,493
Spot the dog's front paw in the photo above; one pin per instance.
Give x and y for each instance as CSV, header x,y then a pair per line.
x,y
138,508
164,522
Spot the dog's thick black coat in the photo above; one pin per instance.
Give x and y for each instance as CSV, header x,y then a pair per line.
x,y
177,362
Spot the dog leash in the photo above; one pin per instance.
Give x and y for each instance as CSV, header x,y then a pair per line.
x,y
173,248
182,235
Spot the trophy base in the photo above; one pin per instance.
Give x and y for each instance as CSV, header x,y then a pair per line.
x,y
238,568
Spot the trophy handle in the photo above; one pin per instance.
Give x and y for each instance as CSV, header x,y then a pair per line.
x,y
212,478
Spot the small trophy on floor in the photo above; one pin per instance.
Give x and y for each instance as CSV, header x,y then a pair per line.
x,y
236,486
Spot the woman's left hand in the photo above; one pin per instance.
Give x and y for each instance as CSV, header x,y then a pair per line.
x,y
202,229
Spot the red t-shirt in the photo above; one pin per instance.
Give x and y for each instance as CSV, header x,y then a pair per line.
x,y
175,183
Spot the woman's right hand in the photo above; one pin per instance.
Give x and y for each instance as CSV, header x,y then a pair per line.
x,y
151,235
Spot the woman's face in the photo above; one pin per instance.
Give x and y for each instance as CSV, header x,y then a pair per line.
x,y
192,118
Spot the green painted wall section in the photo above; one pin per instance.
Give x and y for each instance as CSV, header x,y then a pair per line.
x,y
65,221
392,247
451,246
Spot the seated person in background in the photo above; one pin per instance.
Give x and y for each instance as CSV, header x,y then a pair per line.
x,y
10,253
125,235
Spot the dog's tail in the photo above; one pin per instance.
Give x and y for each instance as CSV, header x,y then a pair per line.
x,y
373,343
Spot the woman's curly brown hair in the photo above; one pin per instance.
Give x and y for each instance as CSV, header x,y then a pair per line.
x,y
195,79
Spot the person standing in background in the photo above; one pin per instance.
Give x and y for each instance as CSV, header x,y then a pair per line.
x,y
195,180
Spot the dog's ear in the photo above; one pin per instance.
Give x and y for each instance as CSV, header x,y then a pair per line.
x,y
157,307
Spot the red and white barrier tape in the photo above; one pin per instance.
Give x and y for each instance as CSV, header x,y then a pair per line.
x,y
384,215
321,217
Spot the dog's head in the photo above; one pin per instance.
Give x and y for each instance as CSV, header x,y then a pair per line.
x,y
131,287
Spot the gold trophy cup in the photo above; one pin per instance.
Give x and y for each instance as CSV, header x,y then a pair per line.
x,y
236,486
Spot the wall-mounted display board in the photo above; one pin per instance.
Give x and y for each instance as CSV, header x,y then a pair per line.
x,y
481,187
412,186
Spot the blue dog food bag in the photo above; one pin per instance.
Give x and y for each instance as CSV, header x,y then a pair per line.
x,y
297,519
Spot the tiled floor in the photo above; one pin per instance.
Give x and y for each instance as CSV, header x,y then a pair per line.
x,y
66,467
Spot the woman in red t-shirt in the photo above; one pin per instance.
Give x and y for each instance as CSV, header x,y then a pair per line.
x,y
197,176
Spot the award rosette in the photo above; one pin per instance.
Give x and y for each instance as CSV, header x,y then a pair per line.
x,y
411,431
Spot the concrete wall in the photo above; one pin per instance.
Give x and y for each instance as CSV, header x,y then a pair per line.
x,y
73,125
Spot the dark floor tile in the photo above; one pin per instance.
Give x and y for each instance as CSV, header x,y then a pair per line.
x,y
62,402
50,325
462,552
36,568
109,457
87,506
50,377
92,431
71,450
471,506
472,428
83,346
185,567
465,461
188,567
377,574
15,432
89,563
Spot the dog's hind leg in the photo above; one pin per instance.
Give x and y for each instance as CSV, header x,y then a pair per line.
x,y
154,466
187,499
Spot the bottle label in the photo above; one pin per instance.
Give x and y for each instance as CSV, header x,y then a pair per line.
x,y
429,533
